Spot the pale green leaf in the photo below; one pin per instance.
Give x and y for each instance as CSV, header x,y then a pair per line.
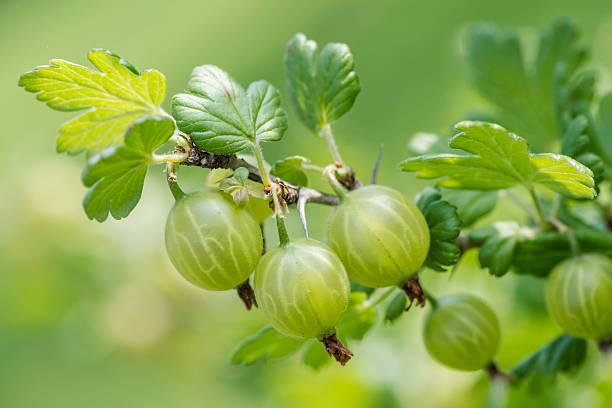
x,y
221,117
322,85
291,170
114,96
265,345
499,159
116,175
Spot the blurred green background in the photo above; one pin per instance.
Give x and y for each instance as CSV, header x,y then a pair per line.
x,y
94,314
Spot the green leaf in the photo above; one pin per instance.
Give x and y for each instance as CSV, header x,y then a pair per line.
x,y
114,96
322,85
424,143
359,317
499,160
116,175
315,356
241,175
471,205
221,117
396,307
266,345
497,251
528,259
444,228
565,354
528,97
600,137
291,169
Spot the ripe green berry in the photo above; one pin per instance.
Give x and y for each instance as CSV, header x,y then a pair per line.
x,y
381,237
211,242
579,296
302,289
462,332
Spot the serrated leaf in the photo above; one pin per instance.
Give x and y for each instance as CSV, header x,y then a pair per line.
x,y
444,228
499,242
499,159
114,96
116,175
291,169
528,97
266,345
396,307
471,205
315,356
322,85
221,117
359,317
563,355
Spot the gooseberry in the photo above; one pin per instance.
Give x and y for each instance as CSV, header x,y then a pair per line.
x,y
579,296
302,290
381,237
462,332
211,242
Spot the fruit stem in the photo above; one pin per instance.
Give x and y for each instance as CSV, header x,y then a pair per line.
x,y
336,349
536,202
265,177
326,132
176,191
329,173
246,294
283,236
382,297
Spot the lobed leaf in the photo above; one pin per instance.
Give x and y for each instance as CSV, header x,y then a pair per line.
x,y
116,174
498,245
221,117
530,97
499,159
565,354
291,169
322,85
266,345
444,228
114,96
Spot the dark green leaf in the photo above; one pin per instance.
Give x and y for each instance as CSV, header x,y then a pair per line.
x,y
565,354
471,205
315,356
116,175
528,257
358,319
499,160
528,97
497,250
396,307
444,228
221,117
112,98
291,169
322,85
265,345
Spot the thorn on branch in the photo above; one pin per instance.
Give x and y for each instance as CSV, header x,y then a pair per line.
x,y
374,175
414,291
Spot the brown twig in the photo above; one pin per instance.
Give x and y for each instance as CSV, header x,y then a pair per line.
x,y
336,349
